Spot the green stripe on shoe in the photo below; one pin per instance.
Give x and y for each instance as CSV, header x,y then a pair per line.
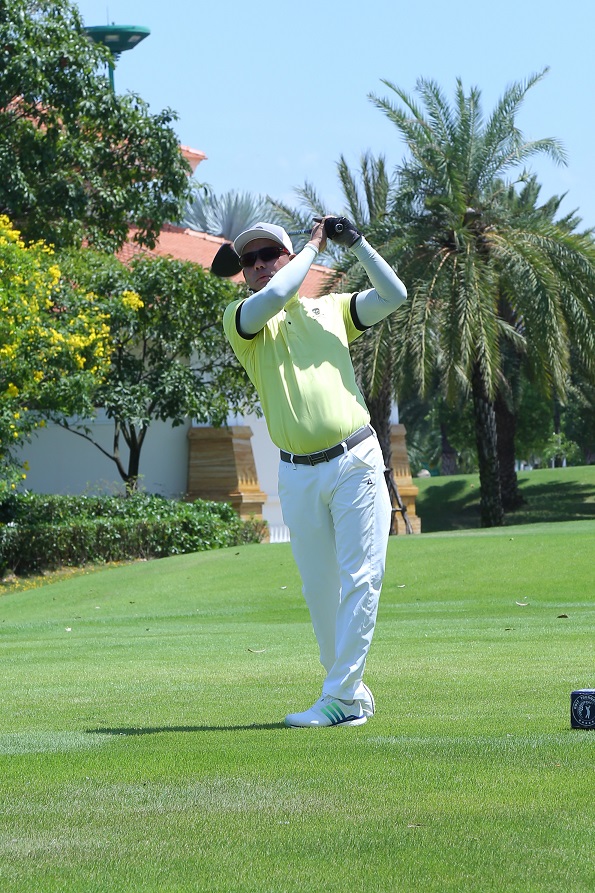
x,y
334,713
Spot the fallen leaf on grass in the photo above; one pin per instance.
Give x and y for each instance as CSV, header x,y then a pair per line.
x,y
257,650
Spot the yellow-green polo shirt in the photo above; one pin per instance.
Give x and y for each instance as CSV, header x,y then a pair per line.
x,y
301,367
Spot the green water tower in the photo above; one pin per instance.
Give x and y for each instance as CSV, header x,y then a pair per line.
x,y
118,39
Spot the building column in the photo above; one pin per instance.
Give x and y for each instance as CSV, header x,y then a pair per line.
x,y
402,474
221,468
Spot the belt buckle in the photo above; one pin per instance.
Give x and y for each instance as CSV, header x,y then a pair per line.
x,y
317,458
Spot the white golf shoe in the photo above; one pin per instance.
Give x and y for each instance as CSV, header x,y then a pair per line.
x,y
328,711
368,703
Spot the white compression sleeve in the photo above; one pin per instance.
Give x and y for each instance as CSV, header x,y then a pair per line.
x,y
388,291
266,303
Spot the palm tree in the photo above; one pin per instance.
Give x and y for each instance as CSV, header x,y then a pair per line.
x,y
226,215
516,366
482,278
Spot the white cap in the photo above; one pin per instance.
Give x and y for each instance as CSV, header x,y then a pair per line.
x,y
263,231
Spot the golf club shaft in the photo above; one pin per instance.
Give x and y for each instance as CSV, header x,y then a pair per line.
x,y
300,232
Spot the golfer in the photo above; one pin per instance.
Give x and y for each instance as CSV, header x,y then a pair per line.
x,y
332,488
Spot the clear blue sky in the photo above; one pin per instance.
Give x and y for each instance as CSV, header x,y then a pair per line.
x,y
274,93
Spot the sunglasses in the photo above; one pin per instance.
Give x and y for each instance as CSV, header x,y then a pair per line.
x,y
265,254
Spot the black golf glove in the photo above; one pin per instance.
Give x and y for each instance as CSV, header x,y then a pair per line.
x,y
342,231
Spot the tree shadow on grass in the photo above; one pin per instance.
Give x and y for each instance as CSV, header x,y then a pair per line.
x,y
554,501
450,506
454,505
131,731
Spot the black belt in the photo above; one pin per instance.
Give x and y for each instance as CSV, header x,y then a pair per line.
x,y
331,453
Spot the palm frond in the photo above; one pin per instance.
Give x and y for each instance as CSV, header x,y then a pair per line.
x,y
355,209
311,200
226,215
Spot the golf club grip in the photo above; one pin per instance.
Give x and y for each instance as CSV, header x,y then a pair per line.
x,y
337,228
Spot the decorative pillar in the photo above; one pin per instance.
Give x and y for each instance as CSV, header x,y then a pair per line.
x,y
402,473
221,468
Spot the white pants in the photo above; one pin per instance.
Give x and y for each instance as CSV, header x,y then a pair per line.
x,y
338,514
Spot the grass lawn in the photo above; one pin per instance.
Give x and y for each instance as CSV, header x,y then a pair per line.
x,y
551,494
142,746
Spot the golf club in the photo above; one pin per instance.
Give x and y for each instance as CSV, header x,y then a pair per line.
x,y
226,262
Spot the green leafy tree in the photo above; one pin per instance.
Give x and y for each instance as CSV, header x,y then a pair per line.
x,y
77,161
54,346
169,358
560,450
479,274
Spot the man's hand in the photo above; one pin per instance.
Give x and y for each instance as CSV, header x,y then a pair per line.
x,y
318,234
342,231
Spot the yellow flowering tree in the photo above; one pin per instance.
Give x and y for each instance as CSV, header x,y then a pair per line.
x,y
54,346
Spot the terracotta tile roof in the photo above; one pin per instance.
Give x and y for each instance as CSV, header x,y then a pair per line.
x,y
201,248
192,156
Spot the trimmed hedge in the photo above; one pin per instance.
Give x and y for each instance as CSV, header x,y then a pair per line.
x,y
40,532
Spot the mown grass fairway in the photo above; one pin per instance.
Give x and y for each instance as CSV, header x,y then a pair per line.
x,y
142,746
550,494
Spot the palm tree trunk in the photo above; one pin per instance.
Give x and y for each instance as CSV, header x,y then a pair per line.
x,y
380,408
506,430
448,458
558,459
491,511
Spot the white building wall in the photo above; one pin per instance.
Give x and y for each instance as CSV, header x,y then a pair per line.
x,y
62,462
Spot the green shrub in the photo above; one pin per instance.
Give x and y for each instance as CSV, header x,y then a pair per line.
x,y
40,532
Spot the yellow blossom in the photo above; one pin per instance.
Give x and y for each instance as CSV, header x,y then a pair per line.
x,y
131,300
